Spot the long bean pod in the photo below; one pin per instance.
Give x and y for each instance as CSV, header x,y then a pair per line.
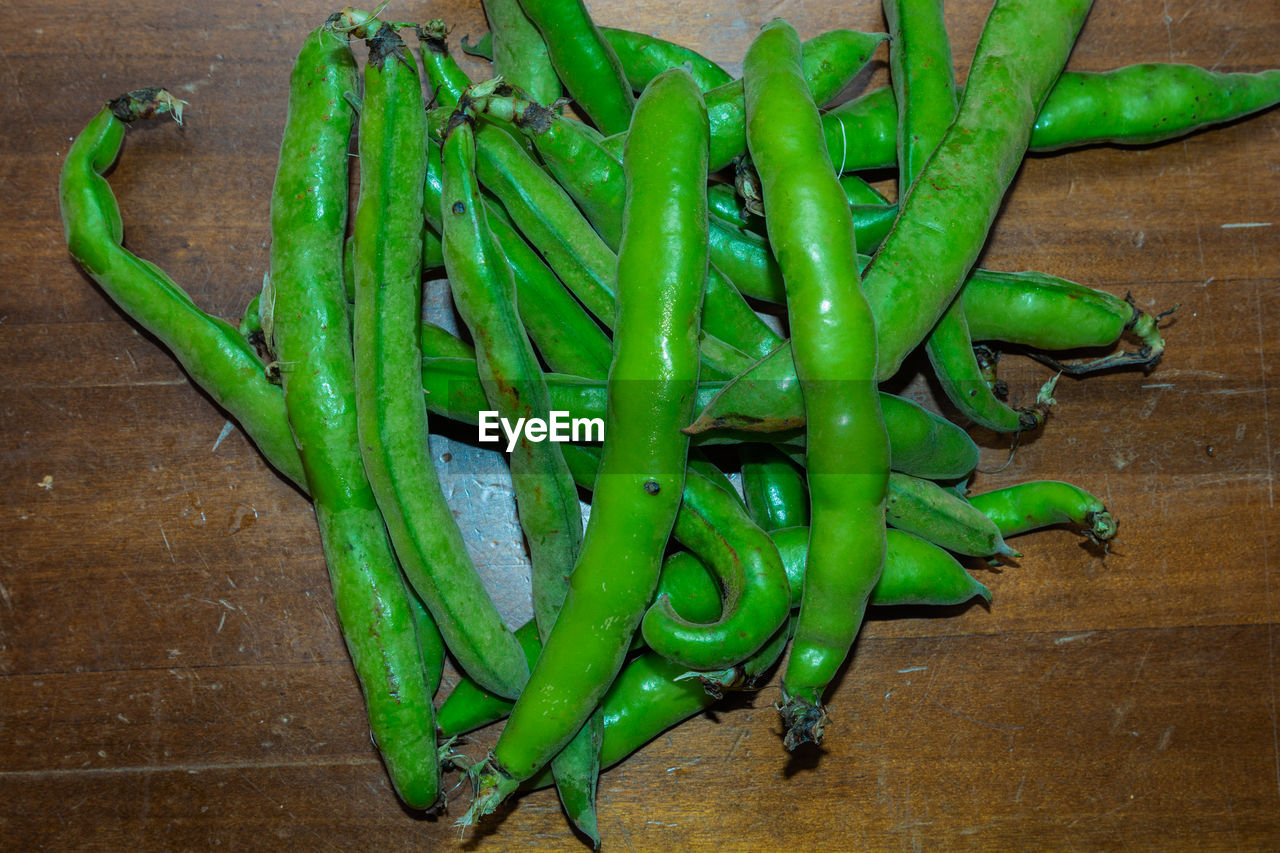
x,y
833,343
311,336
661,267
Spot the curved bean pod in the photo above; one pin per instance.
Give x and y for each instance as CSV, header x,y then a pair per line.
x,y
1041,503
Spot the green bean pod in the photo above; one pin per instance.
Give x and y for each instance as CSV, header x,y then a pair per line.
x,y
919,441
519,54
833,344
585,61
756,599
829,62
943,223
1028,308
644,57
1133,105
752,598
862,133
311,336
430,641
580,164
546,498
213,353
594,180
586,264
1146,103
485,295
916,572
1041,503
652,381
925,91
933,513
392,416
565,334
774,488
1050,313
547,216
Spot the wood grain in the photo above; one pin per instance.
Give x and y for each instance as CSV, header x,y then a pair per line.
x,y
171,676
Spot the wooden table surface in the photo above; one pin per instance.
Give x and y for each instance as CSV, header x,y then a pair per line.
x,y
171,676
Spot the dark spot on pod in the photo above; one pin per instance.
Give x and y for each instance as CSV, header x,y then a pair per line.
x,y
651,487
459,208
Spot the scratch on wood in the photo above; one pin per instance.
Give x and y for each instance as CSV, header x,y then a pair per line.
x,y
1000,727
1071,638
166,544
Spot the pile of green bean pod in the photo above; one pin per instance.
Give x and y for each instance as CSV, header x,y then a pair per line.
x,y
703,267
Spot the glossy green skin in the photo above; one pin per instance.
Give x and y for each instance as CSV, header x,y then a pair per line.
x,y
661,267
547,216
1133,105
445,78
594,180
580,164
1042,311
565,334
748,263
212,352
925,91
716,527
921,443
585,262
829,63
484,293
862,133
385,253
944,222
961,377
931,512
737,242
520,56
730,318
585,62
644,57
774,487
1041,503
430,642
1029,308
392,417
438,342
751,599
469,706
915,573
747,260
833,345
924,85
312,338
1151,102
